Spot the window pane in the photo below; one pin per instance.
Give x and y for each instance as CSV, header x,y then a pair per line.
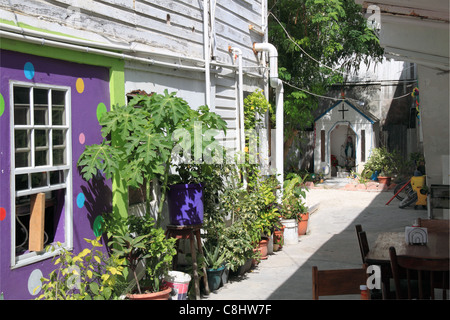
x,y
58,116
40,97
59,137
41,158
57,177
39,179
21,182
21,105
58,107
59,156
22,159
41,138
21,139
40,115
21,95
40,106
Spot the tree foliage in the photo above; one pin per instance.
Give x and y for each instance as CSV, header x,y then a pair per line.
x,y
318,43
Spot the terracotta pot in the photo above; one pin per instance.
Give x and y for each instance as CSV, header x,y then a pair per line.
x,y
263,248
303,224
278,239
384,180
164,294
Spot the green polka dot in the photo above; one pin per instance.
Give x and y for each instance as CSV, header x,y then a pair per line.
x,y
101,109
2,105
98,226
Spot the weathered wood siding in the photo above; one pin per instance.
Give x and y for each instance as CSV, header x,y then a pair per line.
x,y
165,30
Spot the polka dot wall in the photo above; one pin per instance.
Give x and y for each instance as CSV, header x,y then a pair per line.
x,y
89,100
80,86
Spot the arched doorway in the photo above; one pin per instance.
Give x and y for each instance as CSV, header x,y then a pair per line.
x,y
343,144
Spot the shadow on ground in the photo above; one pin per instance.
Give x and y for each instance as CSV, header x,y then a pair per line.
x,y
332,235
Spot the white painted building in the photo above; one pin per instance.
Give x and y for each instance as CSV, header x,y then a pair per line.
x,y
418,31
344,135
65,62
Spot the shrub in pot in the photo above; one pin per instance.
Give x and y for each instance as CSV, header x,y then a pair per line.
x,y
384,162
214,259
89,275
141,243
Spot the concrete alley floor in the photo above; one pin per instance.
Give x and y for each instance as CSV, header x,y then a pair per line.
x,y
330,243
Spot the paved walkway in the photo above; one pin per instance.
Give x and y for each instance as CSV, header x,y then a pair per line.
x,y
329,243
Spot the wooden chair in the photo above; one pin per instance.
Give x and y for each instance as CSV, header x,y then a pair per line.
x,y
430,274
337,282
363,243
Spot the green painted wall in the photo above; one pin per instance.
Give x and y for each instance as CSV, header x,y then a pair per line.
x,y
116,87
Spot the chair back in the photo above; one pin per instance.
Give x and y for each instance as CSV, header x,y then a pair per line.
x,y
362,241
337,282
423,275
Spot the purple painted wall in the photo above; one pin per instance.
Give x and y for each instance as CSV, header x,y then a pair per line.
x,y
89,97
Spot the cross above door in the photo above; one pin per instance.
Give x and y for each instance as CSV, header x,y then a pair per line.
x,y
343,111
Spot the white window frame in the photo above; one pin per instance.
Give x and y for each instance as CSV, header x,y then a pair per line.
x,y
32,257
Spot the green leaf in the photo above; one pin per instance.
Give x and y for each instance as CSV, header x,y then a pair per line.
x,y
99,157
94,287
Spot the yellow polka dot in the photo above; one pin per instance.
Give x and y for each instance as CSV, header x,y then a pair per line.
x,y
80,85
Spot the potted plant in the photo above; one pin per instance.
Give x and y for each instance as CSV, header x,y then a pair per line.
x,y
302,218
89,275
292,206
384,163
143,244
278,237
214,259
142,137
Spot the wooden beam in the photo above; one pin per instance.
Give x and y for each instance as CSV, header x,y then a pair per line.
x,y
37,218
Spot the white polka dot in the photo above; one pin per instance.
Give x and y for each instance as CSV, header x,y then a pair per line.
x,y
34,282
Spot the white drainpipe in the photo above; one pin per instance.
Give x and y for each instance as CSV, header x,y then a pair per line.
x,y
240,110
206,54
278,85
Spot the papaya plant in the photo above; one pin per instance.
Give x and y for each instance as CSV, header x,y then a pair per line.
x,y
138,140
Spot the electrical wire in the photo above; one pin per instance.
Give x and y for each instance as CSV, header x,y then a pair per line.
x,y
306,53
340,99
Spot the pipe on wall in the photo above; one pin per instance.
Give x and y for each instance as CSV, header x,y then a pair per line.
x,y
279,97
240,109
58,44
206,53
91,44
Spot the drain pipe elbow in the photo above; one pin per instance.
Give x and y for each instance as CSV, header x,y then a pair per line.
x,y
273,61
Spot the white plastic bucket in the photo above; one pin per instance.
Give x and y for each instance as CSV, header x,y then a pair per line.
x,y
290,231
179,281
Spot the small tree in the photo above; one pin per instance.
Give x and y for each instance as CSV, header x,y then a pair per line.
x,y
318,43
146,132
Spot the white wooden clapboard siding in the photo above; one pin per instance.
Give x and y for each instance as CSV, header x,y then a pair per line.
x,y
173,27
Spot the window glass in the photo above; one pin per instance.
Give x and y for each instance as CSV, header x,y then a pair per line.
x,y
40,131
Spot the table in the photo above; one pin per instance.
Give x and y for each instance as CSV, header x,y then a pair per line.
x,y
191,232
437,247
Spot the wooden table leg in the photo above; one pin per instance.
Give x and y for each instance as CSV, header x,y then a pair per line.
x,y
200,249
385,282
194,267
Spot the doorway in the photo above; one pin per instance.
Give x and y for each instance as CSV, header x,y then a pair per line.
x,y
343,142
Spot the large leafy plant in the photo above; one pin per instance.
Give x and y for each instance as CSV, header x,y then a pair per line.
x,y
139,139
